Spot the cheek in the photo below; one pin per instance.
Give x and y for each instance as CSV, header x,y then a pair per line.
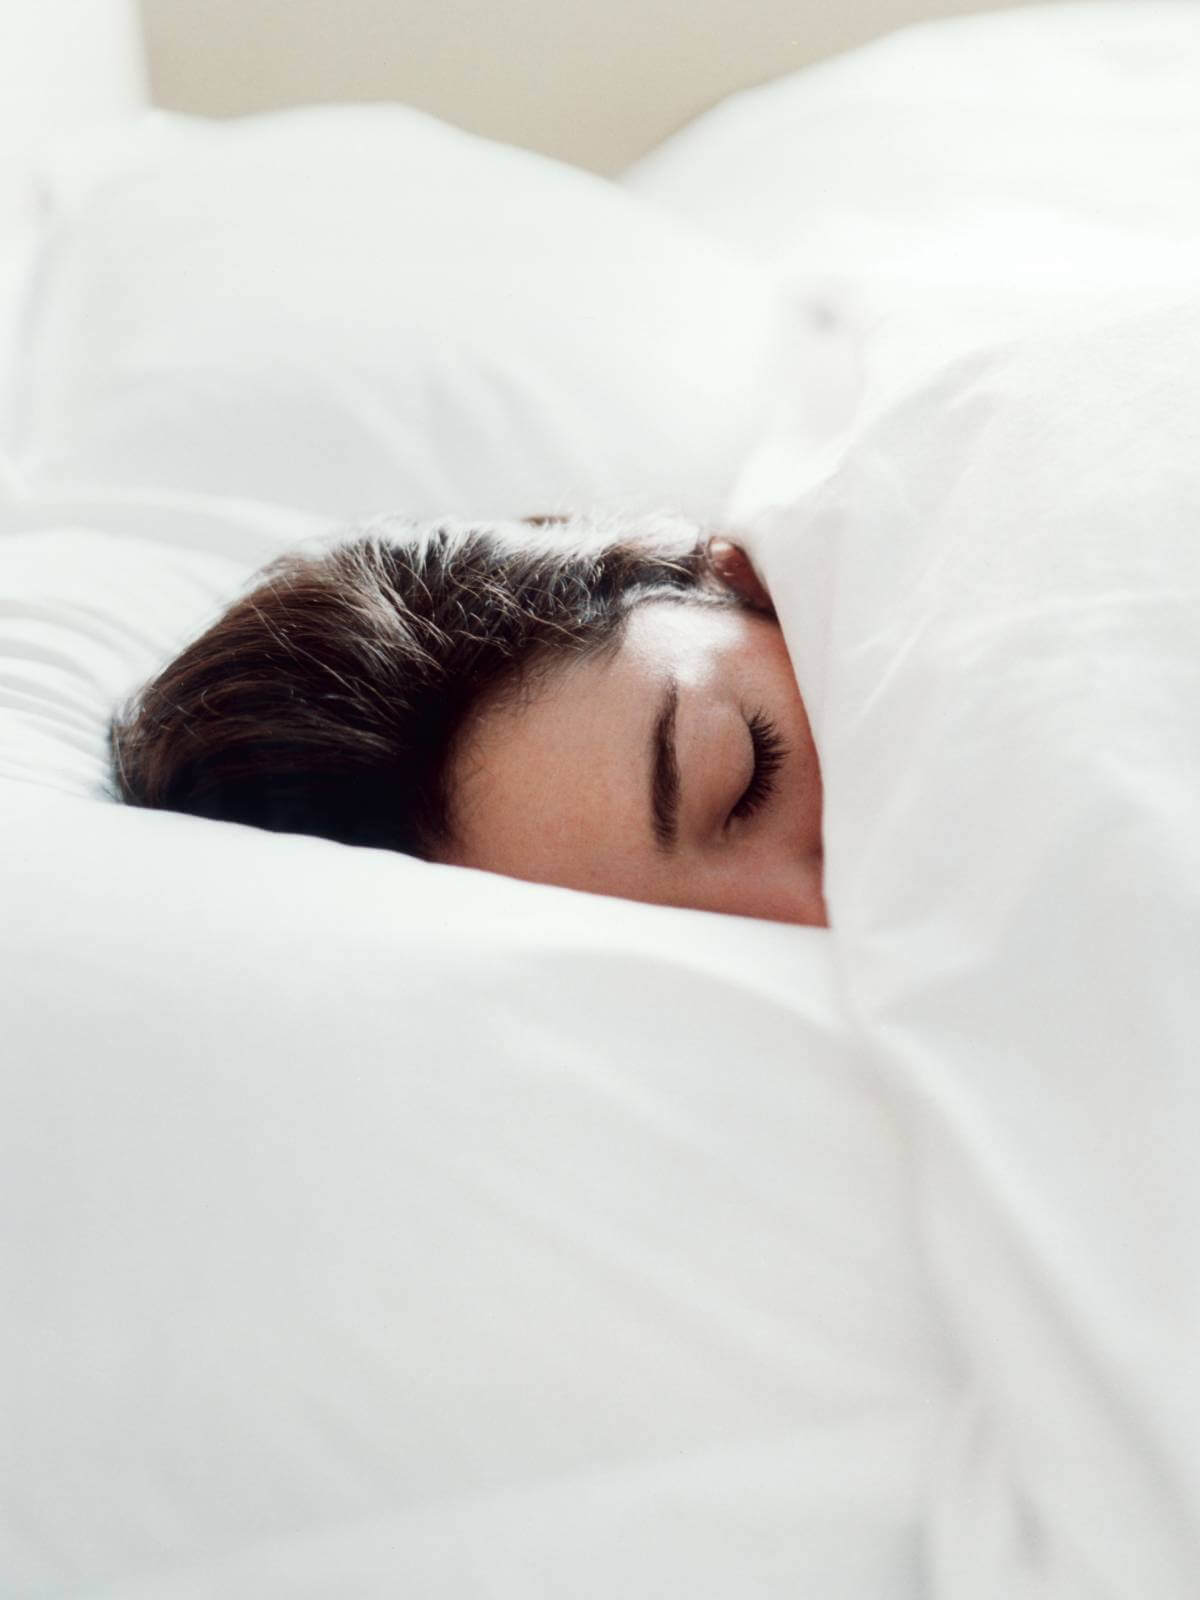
x,y
770,879
803,899
545,794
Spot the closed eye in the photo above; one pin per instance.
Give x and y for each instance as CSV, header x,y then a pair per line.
x,y
769,753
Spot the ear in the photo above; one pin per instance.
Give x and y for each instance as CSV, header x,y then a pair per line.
x,y
731,564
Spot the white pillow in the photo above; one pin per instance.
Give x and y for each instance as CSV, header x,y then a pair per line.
x,y
1086,116
372,1228
354,310
63,64
18,255
993,605
961,179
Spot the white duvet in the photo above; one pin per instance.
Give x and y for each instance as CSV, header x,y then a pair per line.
x,y
372,1229
993,603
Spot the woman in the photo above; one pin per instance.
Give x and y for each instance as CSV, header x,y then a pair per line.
x,y
609,708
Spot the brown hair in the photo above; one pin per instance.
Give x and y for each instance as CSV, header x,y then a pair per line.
x,y
330,698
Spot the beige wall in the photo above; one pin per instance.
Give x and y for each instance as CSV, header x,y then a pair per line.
x,y
597,82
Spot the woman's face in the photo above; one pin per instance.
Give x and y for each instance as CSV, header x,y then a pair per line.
x,y
680,770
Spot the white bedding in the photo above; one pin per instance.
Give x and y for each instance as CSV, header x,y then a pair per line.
x,y
957,181
355,310
369,1228
993,604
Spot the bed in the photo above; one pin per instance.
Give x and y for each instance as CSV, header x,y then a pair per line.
x,y
373,1228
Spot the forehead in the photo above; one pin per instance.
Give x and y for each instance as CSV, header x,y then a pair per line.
x,y
574,697
686,639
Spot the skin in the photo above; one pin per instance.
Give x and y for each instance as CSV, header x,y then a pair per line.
x,y
555,786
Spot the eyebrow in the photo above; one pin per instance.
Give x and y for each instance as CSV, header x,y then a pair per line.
x,y
664,771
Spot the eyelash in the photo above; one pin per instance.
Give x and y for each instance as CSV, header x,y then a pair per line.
x,y
769,753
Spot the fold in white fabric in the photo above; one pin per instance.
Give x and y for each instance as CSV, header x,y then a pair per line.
x,y
993,605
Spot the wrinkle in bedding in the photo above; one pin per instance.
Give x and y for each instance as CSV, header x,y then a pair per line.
x,y
994,603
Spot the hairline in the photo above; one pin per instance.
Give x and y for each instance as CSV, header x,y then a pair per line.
x,y
519,688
